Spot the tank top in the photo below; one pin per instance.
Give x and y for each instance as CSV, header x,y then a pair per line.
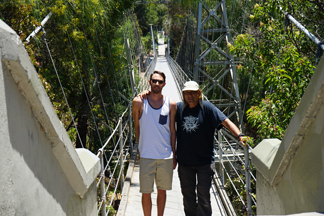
x,y
155,135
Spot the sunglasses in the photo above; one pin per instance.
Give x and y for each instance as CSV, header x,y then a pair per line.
x,y
157,81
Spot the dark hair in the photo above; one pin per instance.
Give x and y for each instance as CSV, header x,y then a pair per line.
x,y
158,72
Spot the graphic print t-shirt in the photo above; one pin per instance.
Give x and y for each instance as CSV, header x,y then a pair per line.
x,y
195,133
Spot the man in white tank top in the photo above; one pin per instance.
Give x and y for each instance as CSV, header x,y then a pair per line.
x,y
154,122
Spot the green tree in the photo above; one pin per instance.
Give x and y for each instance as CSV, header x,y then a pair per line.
x,y
280,69
83,40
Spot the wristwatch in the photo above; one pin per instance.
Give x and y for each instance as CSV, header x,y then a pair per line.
x,y
240,135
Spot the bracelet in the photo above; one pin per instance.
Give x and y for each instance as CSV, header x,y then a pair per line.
x,y
240,135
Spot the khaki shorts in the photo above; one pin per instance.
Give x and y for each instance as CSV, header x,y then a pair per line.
x,y
159,169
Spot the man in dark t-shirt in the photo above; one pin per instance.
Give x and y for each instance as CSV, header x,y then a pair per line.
x,y
196,122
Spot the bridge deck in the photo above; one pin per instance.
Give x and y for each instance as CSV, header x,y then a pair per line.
x,y
174,205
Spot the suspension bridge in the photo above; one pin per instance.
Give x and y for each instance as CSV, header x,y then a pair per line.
x,y
174,204
70,180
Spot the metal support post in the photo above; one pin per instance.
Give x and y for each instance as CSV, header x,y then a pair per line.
x,y
205,69
102,187
232,68
121,153
130,67
130,128
220,153
248,180
168,45
197,48
152,39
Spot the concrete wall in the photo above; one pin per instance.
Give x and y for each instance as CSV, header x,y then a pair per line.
x,y
290,173
40,171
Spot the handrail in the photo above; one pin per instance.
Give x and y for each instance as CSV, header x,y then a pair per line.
x,y
121,143
113,133
301,27
178,74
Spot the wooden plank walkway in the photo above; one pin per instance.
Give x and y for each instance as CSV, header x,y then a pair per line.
x,y
174,205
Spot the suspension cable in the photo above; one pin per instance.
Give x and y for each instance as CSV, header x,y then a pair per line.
x,y
247,90
243,17
279,52
84,87
234,153
97,81
104,64
66,101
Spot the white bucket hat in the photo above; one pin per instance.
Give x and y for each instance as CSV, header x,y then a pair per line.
x,y
191,86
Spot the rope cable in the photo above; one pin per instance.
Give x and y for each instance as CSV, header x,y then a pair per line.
x,y
233,7
112,62
126,76
83,84
97,81
234,153
286,23
104,65
67,103
235,170
243,17
228,176
247,90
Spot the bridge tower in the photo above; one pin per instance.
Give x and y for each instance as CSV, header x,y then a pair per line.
x,y
214,67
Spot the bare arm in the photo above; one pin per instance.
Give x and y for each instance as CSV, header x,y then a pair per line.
x,y
137,107
173,111
232,127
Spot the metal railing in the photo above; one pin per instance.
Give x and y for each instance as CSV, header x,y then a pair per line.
x,y
178,74
234,163
114,166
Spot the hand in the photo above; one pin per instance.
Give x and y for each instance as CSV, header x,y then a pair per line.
x,y
174,162
143,94
243,140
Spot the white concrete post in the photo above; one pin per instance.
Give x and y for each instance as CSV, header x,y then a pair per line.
x,y
102,187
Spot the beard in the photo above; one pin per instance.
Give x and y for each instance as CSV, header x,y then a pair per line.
x,y
156,90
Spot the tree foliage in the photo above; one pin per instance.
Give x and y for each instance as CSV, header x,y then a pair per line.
x,y
151,14
276,61
281,69
86,42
